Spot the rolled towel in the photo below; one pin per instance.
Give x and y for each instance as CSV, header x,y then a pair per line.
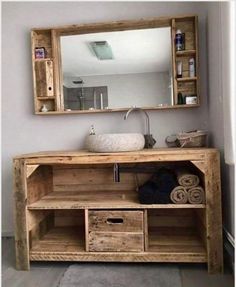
x,y
196,195
179,195
187,179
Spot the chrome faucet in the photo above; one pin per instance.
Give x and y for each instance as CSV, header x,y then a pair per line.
x,y
149,140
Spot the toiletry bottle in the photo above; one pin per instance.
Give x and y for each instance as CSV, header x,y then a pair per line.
x,y
180,99
101,101
183,41
191,68
92,131
178,40
179,69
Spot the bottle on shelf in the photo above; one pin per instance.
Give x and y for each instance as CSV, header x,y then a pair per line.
x,y
179,69
191,67
179,40
180,99
92,130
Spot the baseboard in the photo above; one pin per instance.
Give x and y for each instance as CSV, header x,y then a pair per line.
x,y
229,249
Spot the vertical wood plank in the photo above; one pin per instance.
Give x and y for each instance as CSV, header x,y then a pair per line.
x,y
214,214
145,226
173,62
86,230
56,70
197,60
20,215
36,104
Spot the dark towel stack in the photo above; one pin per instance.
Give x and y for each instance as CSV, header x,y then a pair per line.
x,y
158,188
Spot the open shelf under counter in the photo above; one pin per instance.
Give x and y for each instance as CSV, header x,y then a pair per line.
x,y
60,239
67,244
98,200
182,241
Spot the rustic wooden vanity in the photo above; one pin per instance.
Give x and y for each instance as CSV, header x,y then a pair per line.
x,y
69,208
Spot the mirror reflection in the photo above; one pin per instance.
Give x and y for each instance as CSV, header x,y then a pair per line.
x,y
118,69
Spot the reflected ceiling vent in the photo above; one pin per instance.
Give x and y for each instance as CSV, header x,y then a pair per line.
x,y
102,50
79,81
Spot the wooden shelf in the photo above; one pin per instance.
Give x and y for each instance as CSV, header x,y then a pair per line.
x,y
61,239
67,243
185,53
98,200
187,79
43,59
45,98
183,241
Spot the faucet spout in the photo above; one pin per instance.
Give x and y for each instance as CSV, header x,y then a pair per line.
x,y
149,140
139,109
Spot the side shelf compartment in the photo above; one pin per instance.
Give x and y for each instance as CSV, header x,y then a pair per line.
x,y
56,232
177,233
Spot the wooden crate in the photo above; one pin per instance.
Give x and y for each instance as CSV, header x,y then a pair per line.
x,y
115,230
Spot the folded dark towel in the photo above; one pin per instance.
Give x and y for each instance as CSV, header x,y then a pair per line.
x,y
165,180
158,189
147,193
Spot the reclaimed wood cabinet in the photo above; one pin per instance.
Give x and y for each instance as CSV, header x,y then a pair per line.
x,y
69,208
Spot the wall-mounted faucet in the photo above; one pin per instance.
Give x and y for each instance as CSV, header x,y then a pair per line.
x,y
149,140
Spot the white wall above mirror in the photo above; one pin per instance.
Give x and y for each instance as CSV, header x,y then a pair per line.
x,y
139,73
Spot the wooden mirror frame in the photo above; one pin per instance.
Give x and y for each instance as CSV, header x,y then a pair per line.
x,y
47,72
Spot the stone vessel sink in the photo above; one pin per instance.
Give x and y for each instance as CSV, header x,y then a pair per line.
x,y
115,142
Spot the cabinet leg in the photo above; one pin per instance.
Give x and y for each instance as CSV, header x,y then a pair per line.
x,y
214,214
21,231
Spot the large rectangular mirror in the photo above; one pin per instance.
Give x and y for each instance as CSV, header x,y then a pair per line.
x,y
118,69
106,67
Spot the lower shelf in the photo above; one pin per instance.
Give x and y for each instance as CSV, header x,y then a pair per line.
x,y
67,244
60,239
176,240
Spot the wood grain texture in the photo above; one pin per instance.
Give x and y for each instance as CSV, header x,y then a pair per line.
x,y
20,216
165,256
30,169
44,76
174,71
71,222
116,241
106,220
57,71
39,184
214,215
99,200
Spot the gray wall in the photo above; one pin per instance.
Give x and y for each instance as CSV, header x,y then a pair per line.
x,y
23,132
218,77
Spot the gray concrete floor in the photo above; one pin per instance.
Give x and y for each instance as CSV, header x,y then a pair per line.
x,y
48,274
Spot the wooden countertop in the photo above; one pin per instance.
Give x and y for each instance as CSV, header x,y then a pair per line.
x,y
145,155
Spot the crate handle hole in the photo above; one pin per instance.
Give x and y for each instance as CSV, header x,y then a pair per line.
x,y
115,220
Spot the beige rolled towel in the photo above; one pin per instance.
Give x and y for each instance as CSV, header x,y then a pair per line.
x,y
179,195
196,195
187,179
